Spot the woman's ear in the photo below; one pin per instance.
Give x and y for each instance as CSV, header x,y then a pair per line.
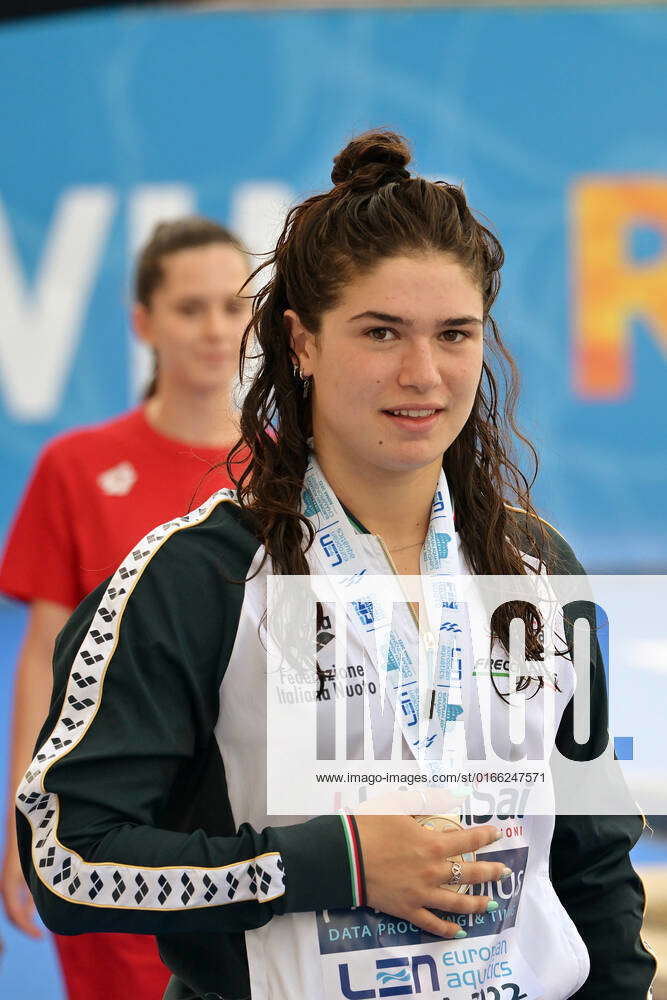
x,y
141,323
302,341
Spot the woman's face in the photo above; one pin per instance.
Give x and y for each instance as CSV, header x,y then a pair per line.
x,y
396,364
196,318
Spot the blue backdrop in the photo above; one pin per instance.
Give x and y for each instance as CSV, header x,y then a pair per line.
x,y
113,117
552,120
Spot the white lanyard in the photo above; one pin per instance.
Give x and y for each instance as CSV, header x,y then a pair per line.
x,y
339,550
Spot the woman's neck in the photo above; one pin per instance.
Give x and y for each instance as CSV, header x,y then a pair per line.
x,y
396,506
207,419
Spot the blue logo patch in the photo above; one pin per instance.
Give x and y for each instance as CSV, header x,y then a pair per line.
x,y
364,611
310,508
397,654
416,970
387,977
427,743
408,709
442,540
331,550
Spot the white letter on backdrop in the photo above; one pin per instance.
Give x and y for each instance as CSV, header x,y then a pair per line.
x,y
258,213
40,327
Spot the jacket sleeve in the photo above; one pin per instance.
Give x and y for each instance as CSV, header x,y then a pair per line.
x,y
137,676
590,855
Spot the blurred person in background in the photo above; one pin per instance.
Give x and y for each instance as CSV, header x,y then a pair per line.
x,y
94,493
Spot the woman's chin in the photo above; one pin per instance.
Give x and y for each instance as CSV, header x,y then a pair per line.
x,y
407,458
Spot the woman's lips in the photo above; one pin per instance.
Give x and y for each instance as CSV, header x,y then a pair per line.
x,y
414,422
213,357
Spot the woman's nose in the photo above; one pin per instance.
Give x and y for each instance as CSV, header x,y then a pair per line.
x,y
419,369
215,324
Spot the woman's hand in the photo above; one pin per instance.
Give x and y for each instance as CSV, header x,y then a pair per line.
x,y
406,866
16,897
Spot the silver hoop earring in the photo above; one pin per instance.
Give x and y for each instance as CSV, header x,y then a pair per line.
x,y
305,380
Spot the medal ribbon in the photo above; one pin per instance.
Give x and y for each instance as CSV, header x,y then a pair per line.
x,y
389,634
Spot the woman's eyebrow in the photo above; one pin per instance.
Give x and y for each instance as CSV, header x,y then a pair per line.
x,y
383,317
462,321
388,318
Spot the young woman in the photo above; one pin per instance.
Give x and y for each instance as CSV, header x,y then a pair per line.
x,y
373,415
96,491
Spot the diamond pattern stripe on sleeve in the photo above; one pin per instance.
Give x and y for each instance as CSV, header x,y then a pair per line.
x,y
111,884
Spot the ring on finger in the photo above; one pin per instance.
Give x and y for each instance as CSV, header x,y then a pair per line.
x,y
457,872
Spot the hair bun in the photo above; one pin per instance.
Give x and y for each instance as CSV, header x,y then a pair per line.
x,y
371,160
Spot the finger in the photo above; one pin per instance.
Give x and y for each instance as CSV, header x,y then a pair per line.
x,y
20,911
460,902
27,920
463,841
435,925
473,872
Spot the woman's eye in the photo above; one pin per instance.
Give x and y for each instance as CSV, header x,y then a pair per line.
x,y
453,336
188,309
381,334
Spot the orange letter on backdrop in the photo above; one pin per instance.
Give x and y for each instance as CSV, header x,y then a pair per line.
x,y
609,288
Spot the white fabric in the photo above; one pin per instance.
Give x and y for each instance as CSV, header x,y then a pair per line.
x,y
529,942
